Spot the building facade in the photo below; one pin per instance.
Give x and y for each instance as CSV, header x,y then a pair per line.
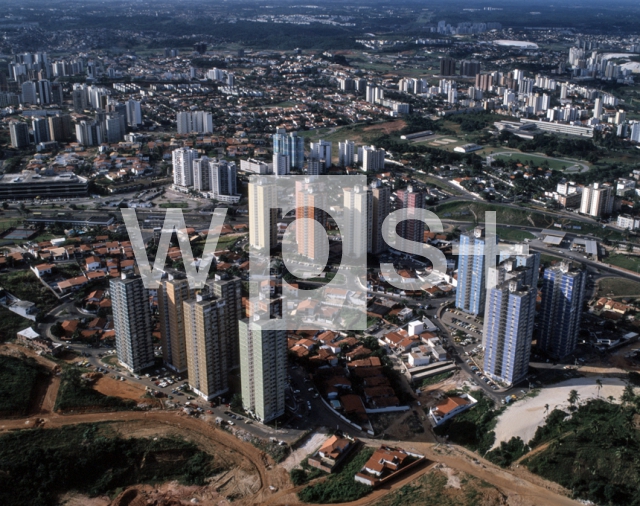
x,y
132,323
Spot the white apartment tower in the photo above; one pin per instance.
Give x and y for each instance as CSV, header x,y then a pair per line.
x,y
132,323
263,367
346,151
321,150
358,209
597,200
183,166
263,198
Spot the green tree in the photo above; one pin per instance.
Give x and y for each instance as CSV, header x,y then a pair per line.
x,y
574,396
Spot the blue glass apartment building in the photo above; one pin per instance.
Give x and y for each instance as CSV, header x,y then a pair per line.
x,y
561,309
508,330
475,252
290,145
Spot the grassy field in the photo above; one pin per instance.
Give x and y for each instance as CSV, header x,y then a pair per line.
x,y
617,287
535,160
434,181
513,234
629,262
174,205
475,212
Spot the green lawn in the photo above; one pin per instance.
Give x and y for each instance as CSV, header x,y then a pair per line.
x,y
629,262
513,234
617,287
174,205
535,160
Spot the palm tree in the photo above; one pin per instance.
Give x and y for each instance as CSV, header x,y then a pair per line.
x,y
574,396
598,386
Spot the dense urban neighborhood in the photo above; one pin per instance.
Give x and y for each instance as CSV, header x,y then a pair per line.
x,y
347,253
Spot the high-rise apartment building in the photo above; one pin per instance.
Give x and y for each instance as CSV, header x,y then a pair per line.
x,y
508,330
183,166
263,367
201,174
380,208
470,68
411,228
372,158
561,309
207,338
263,197
40,130
229,290
597,200
321,151
281,165
358,209
172,293
132,323
290,145
19,132
194,122
29,93
223,180
447,67
346,151
475,250
310,232
134,113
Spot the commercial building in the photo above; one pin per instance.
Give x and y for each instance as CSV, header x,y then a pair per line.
x,y
561,309
475,250
255,166
263,367
29,185
132,323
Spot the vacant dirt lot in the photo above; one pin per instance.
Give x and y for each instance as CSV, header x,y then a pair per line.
x,y
115,388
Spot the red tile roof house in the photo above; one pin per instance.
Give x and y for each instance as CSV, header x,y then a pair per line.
x,y
450,407
385,464
333,451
